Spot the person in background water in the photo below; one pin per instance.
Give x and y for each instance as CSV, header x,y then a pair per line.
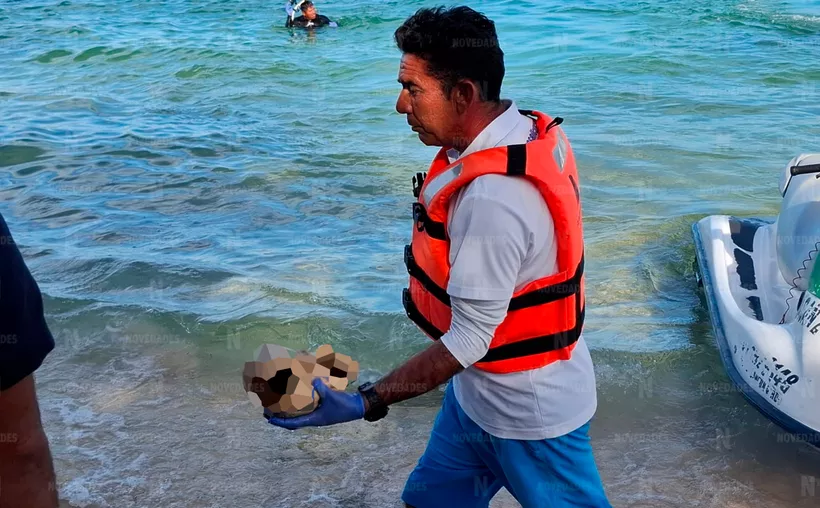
x,y
496,279
26,468
310,18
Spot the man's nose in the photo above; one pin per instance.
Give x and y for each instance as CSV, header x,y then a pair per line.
x,y
402,104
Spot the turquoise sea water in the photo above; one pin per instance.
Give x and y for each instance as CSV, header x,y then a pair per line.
x,y
189,180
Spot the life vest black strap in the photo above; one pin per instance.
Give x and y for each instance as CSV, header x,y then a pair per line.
x,y
423,223
415,316
516,160
533,346
541,296
517,154
539,345
530,113
415,271
528,347
550,293
555,121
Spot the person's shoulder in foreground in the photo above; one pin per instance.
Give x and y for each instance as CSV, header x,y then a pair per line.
x,y
25,460
25,339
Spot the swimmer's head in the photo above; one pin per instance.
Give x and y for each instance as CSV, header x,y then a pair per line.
x,y
451,72
309,10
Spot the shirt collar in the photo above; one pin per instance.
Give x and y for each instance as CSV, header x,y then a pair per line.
x,y
493,134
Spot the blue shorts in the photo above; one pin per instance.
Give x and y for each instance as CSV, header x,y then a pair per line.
x,y
464,467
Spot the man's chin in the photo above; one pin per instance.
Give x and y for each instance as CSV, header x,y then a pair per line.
x,y
427,139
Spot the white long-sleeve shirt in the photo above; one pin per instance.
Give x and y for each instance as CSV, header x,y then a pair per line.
x,y
501,238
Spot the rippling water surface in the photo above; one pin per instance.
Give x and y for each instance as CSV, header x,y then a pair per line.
x,y
189,180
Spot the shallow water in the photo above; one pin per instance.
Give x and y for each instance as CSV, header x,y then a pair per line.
x,y
189,180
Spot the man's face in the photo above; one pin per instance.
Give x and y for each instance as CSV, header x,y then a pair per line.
x,y
429,112
310,13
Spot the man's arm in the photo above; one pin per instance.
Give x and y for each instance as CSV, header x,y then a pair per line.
x,y
419,375
26,472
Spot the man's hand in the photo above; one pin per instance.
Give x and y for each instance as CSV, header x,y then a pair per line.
x,y
334,407
420,374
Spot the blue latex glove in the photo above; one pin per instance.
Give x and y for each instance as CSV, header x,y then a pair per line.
x,y
334,407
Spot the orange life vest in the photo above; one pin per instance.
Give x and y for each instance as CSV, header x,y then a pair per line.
x,y
545,317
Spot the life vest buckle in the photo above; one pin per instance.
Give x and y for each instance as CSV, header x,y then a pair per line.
x,y
424,223
407,302
408,257
418,181
419,215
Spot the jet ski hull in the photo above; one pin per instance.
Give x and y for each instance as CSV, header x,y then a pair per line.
x,y
759,322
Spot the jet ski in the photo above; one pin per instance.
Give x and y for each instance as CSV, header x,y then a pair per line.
x,y
762,288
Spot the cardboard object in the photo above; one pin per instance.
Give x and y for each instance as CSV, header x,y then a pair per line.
x,y
280,380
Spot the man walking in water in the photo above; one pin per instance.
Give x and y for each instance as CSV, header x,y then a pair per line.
x,y
496,279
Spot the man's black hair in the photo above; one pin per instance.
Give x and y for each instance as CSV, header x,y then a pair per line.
x,y
305,5
457,43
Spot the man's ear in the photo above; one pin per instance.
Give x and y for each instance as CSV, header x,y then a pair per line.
x,y
464,94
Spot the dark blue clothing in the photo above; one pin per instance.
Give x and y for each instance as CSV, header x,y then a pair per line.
x,y
303,22
25,339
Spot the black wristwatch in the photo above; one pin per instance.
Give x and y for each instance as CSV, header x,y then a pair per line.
x,y
378,409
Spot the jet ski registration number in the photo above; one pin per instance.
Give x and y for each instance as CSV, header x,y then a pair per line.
x,y
771,377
